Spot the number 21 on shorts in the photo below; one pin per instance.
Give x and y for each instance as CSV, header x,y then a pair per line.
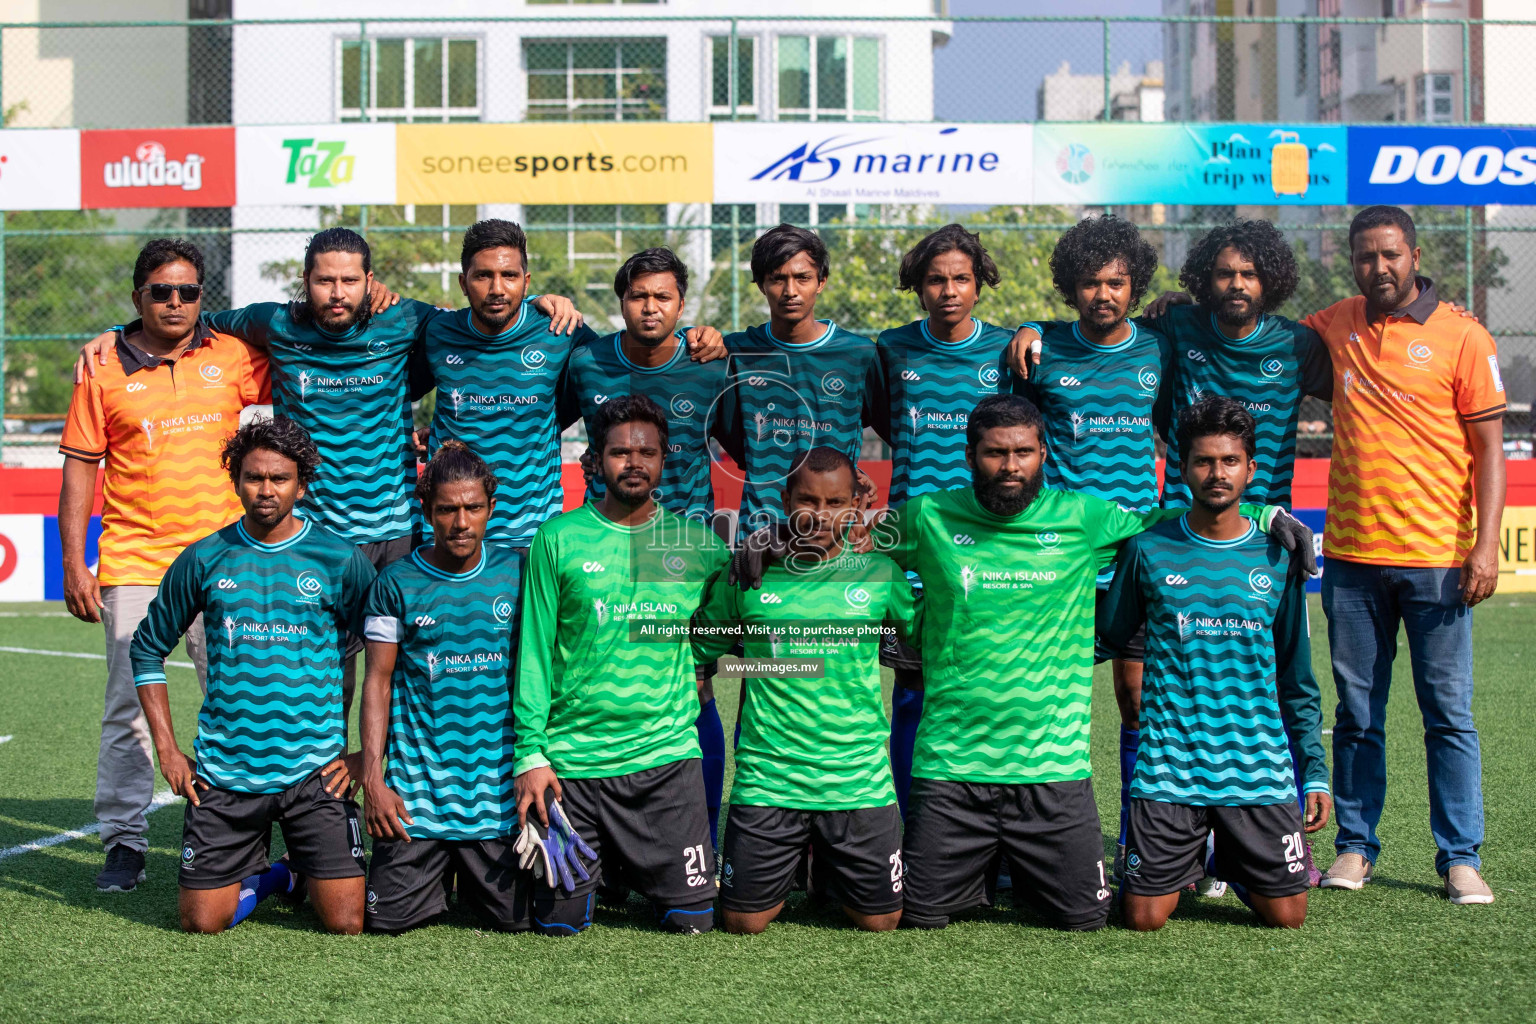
x,y
693,864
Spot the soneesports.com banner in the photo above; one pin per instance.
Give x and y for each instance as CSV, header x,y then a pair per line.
x,y
604,163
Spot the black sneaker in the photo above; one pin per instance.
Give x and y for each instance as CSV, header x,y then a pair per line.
x,y
124,870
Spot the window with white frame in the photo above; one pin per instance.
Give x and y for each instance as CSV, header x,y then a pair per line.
x,y
609,232
828,78
597,79
1433,97
410,79
720,78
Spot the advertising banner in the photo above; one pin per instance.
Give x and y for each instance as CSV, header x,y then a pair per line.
x,y
872,163
40,169
315,165
1517,550
1195,164
21,558
157,167
592,162
1408,164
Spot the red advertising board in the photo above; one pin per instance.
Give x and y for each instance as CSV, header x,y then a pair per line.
x,y
157,167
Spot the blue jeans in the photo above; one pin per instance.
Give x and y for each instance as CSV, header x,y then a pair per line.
x,y
1365,605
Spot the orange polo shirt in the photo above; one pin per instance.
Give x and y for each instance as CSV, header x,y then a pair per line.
x,y
160,425
1404,389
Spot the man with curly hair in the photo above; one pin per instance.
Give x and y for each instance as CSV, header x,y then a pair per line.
x,y
276,590
1100,390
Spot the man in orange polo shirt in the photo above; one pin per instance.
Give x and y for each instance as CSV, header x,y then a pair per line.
x,y
158,412
1418,410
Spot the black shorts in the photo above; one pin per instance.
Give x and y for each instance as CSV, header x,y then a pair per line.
x,y
1047,833
650,831
899,656
380,553
856,856
409,883
1260,848
1135,648
228,836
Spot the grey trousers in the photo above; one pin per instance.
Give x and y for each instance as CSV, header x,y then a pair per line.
x,y
125,768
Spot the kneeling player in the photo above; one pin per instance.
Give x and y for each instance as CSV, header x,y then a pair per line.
x,y
441,630
271,730
1229,672
605,704
811,767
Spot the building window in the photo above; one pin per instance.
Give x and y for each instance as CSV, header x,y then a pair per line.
x,y
720,78
1302,69
411,79
597,80
828,78
1432,97
598,233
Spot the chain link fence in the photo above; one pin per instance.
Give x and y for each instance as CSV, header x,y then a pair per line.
x,y
65,275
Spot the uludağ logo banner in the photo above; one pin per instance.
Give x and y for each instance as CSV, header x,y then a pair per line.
x,y
1195,164
1442,166
872,163
315,165
40,169
157,167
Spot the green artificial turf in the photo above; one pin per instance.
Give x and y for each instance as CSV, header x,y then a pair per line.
x,y
1394,951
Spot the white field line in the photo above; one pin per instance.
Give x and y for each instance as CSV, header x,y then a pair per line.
x,y
6,739
35,615
81,654
162,798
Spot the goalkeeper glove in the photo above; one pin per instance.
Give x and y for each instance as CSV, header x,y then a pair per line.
x,y
1294,536
553,854
757,551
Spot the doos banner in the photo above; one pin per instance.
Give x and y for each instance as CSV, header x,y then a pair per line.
x,y
1407,165
827,162
317,164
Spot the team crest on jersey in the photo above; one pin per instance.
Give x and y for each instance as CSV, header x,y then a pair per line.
x,y
1419,355
377,347
834,385
600,610
1147,378
534,359
1272,367
432,660
1132,862
1050,540
501,608
989,375
212,374
967,579
1186,625
311,587
856,596
188,855
682,406
675,564
1261,582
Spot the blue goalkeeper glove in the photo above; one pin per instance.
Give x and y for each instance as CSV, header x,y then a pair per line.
x,y
555,853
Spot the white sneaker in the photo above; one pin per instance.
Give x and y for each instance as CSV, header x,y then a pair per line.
x,y
1211,888
1463,885
1349,871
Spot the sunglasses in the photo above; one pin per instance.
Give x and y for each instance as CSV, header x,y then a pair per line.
x,y
162,292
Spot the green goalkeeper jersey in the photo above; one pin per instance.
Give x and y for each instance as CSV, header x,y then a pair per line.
x,y
605,682
1007,634
814,744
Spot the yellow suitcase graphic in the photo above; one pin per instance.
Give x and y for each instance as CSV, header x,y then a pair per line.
x,y
1288,169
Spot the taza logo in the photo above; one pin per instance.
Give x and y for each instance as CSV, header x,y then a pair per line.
x,y
318,164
